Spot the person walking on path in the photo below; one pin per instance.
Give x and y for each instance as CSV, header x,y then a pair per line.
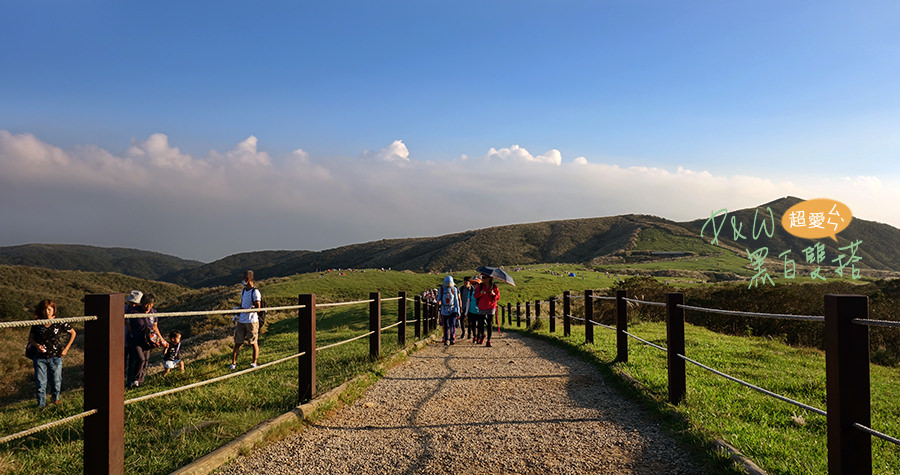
x,y
487,294
247,323
476,319
45,345
449,298
465,295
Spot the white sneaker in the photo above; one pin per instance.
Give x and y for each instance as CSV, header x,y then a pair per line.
x,y
253,365
232,367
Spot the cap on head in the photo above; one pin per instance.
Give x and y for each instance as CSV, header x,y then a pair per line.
x,y
134,297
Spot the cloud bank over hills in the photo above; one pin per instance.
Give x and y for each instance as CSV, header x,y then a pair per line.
x,y
151,195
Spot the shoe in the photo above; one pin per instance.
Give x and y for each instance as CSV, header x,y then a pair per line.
x,y
445,342
488,344
253,365
232,367
452,342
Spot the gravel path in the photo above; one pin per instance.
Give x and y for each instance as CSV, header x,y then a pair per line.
x,y
522,406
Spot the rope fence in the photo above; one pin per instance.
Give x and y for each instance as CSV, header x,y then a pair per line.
x,y
110,310
875,323
847,374
210,381
341,304
213,312
874,432
320,348
785,316
646,342
755,388
44,321
604,326
656,304
49,425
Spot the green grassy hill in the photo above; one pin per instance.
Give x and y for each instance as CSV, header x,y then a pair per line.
x,y
632,241
133,262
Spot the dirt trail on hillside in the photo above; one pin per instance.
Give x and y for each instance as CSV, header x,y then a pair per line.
x,y
522,406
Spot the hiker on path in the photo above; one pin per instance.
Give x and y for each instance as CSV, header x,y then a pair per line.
x,y
247,323
448,295
465,295
143,336
46,349
487,294
476,319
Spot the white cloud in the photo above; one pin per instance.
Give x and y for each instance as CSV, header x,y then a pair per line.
x,y
154,196
396,152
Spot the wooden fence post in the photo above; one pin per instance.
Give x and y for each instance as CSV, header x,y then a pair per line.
x,y
401,317
588,316
527,314
675,344
552,314
518,314
537,310
306,343
375,325
509,313
104,388
847,385
417,314
621,326
567,312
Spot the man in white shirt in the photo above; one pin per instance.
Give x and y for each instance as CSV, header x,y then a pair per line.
x,y
247,323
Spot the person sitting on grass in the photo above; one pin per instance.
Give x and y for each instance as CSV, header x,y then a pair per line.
x,y
170,360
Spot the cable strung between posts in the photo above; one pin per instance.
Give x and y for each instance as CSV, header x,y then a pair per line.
x,y
604,326
344,342
786,316
576,318
213,312
875,323
338,304
603,297
35,430
876,433
757,388
390,299
44,321
645,342
391,326
658,304
210,381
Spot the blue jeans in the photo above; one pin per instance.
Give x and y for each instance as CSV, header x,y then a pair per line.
x,y
450,327
42,366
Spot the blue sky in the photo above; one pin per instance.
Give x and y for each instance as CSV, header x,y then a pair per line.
x,y
740,103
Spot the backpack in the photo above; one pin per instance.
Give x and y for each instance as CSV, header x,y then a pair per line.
x,y
261,314
448,299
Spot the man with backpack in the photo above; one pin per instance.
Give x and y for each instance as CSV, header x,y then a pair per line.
x,y
448,295
247,323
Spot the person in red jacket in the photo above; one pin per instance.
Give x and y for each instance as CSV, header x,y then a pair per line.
x,y
487,294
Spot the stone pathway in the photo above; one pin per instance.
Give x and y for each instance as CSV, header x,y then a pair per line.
x,y
522,406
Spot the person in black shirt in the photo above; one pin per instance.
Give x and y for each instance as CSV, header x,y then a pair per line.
x,y
49,348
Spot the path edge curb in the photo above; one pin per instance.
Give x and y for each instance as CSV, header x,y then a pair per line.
x,y
224,454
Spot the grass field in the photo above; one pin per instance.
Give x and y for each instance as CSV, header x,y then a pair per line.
x,y
780,437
